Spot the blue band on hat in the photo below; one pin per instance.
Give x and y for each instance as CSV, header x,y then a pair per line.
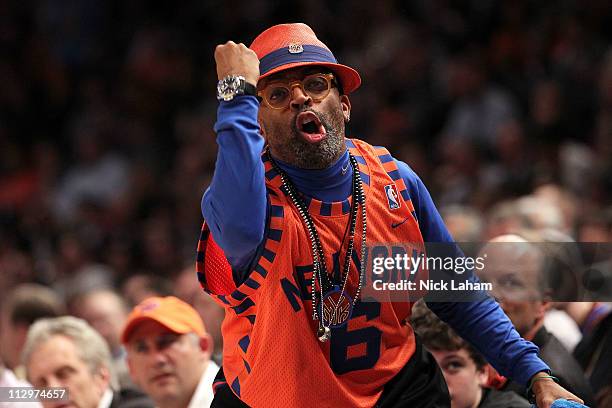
x,y
282,56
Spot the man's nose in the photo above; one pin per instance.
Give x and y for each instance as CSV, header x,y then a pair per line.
x,y
299,98
157,357
54,382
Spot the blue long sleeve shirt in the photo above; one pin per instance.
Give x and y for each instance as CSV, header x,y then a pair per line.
x,y
235,208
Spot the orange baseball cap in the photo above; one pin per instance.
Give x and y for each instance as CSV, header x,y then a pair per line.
x,y
287,46
169,311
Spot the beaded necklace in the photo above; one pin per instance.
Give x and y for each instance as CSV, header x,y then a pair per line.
x,y
335,305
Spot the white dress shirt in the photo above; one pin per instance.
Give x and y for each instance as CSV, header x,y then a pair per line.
x,y
203,395
107,399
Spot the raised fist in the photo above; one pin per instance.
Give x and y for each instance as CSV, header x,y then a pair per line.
x,y
237,59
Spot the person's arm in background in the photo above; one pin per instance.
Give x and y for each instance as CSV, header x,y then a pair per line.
x,y
234,205
483,324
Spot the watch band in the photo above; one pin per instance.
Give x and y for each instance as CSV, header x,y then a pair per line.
x,y
249,89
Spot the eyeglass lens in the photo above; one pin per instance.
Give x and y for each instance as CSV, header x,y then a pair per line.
x,y
315,86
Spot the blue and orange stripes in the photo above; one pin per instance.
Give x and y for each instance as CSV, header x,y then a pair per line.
x,y
240,299
317,207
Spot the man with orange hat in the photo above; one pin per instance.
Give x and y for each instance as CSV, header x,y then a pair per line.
x,y
168,353
288,213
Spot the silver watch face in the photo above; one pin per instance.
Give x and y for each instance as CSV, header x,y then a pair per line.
x,y
227,87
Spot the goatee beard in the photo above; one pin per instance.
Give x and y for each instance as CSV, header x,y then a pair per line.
x,y
320,155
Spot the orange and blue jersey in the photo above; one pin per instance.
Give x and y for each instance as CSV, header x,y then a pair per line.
x,y
269,315
259,267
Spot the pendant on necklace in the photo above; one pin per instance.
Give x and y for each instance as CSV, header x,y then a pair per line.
x,y
337,308
324,333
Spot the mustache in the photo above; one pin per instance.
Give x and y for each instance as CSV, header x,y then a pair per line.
x,y
161,372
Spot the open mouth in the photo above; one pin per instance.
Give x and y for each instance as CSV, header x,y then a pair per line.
x,y
310,127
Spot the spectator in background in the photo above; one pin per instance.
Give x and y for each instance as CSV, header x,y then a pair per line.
x,y
169,353
159,244
503,218
515,268
595,226
563,199
461,161
87,278
594,352
20,309
97,178
603,131
66,352
105,311
464,223
141,286
511,174
526,212
15,264
595,230
562,326
480,106
8,379
464,369
546,116
563,272
211,313
539,213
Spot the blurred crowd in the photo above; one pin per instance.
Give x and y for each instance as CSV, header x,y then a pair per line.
x,y
107,110
503,108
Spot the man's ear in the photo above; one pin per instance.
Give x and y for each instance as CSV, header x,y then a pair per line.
x,y
545,302
103,378
207,345
545,306
482,375
130,365
345,102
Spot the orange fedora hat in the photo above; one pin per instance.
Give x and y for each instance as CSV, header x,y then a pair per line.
x,y
287,46
168,311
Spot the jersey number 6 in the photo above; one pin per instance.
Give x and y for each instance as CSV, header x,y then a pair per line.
x,y
342,340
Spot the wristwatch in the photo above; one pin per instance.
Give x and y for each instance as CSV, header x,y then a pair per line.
x,y
232,85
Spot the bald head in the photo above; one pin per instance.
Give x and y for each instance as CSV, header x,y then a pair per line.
x,y
105,311
514,266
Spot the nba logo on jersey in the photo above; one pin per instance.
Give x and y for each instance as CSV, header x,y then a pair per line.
x,y
392,196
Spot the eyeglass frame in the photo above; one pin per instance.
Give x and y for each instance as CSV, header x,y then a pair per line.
x,y
329,77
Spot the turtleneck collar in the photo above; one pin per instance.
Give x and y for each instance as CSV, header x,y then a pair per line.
x,y
330,184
